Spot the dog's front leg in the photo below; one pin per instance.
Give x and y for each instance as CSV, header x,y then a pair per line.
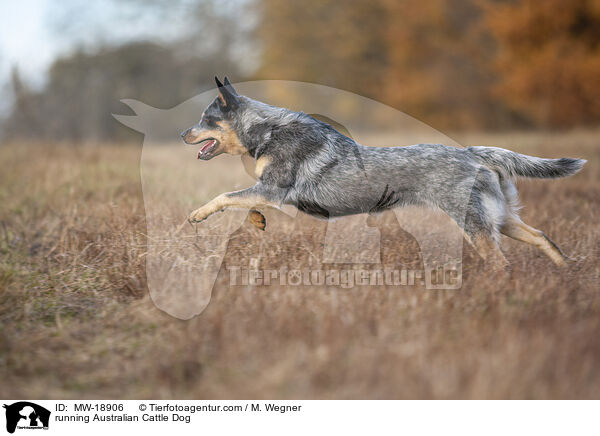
x,y
244,199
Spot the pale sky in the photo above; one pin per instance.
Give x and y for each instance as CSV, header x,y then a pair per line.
x,y
34,32
25,40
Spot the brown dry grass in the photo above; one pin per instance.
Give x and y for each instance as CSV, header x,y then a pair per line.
x,y
76,320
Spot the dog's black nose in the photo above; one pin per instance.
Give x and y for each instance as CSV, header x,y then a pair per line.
x,y
185,132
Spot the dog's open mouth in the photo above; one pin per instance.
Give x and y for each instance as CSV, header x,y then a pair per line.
x,y
207,147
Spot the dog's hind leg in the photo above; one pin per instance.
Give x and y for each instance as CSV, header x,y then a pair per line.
x,y
488,249
517,229
482,233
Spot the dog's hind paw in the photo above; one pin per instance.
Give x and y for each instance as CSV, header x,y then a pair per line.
x,y
257,219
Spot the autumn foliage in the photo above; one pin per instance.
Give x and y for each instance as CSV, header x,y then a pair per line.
x,y
548,59
460,64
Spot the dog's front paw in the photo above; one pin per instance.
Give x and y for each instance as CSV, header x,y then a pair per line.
x,y
198,216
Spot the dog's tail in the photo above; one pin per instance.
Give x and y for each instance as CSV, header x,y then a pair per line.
x,y
515,164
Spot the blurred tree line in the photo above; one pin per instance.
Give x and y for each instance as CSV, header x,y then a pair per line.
x,y
83,90
454,64
465,64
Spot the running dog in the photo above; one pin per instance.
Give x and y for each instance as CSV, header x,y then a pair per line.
x,y
306,163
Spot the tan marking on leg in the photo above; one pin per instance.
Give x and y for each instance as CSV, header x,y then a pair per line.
x,y
522,232
224,201
257,219
487,248
261,164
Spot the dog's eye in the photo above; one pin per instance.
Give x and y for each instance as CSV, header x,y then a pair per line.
x,y
210,121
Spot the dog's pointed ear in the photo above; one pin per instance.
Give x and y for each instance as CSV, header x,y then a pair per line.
x,y
227,95
230,86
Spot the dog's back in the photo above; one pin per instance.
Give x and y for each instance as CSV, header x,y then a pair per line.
x,y
474,186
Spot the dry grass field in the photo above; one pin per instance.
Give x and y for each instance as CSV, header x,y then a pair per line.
x,y
76,320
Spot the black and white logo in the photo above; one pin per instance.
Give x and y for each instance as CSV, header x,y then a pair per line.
x,y
26,415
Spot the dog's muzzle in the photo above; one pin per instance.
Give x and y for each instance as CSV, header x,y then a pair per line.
x,y
189,136
208,145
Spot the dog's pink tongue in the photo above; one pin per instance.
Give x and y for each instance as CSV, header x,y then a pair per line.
x,y
205,147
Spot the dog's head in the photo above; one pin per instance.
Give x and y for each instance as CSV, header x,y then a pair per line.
x,y
215,133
